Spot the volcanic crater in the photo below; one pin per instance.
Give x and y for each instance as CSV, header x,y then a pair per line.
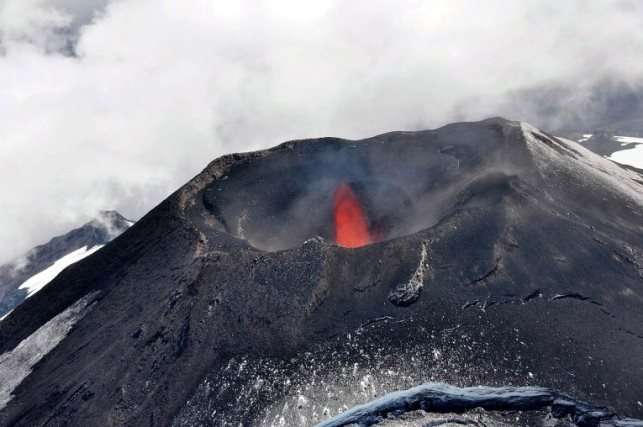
x,y
282,197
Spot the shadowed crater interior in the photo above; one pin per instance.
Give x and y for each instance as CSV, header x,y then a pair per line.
x,y
281,200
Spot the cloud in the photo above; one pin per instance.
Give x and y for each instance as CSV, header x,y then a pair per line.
x,y
113,105
49,25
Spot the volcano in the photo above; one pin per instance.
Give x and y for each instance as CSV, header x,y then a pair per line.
x,y
478,254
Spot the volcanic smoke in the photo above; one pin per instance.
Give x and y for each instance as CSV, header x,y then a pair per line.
x,y
351,223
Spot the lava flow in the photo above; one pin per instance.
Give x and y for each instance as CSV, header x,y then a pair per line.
x,y
351,223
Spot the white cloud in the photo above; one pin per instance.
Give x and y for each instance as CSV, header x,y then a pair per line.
x,y
157,89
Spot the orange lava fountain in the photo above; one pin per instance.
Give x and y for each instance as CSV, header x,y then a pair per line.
x,y
351,223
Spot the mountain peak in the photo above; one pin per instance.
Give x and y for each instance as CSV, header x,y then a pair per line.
x,y
111,221
42,263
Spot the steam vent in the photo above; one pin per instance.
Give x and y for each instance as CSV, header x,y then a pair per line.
x,y
479,274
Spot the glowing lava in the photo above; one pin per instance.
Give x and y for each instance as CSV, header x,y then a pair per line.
x,y
351,223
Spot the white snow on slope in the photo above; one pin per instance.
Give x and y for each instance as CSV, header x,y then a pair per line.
x,y
5,316
16,365
40,280
629,139
630,156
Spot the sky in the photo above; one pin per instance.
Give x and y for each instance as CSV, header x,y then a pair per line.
x,y
114,104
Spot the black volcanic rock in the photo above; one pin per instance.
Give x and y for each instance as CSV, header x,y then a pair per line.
x,y
603,143
506,257
101,230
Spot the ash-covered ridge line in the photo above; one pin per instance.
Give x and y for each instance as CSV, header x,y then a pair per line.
x,y
445,398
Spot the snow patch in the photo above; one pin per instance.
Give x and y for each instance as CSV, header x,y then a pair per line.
x,y
5,316
632,156
16,365
628,140
40,280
